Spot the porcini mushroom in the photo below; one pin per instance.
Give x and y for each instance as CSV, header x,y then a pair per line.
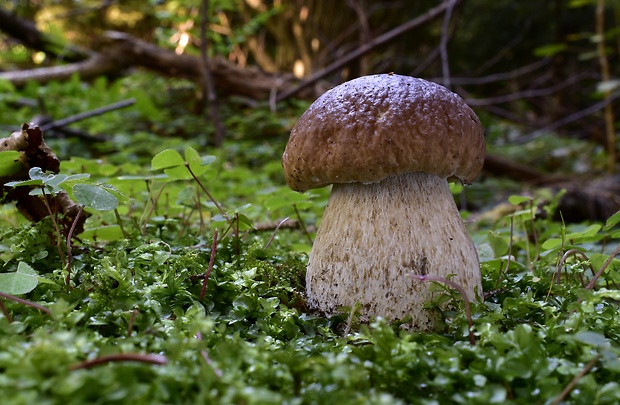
x,y
388,144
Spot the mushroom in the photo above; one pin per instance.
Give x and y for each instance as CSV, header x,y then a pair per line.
x,y
388,144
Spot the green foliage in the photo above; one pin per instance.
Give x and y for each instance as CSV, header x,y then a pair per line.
x,y
139,270
19,282
95,196
251,339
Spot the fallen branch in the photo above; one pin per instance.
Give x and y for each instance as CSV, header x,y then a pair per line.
x,y
34,152
156,359
120,51
96,65
88,114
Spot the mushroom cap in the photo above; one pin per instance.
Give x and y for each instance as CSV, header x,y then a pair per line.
x,y
372,127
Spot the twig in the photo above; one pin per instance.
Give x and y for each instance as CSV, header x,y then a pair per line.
x,y
603,268
132,319
211,261
443,46
25,302
558,269
208,86
575,380
56,227
362,50
274,232
532,93
141,358
496,77
88,114
69,236
207,359
568,119
213,200
271,225
6,313
365,34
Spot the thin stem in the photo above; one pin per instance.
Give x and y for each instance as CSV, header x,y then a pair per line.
x,y
301,223
213,200
354,308
558,270
56,227
443,46
207,359
147,217
200,215
6,312
88,114
211,261
499,279
575,380
602,270
460,290
142,358
119,221
534,232
527,244
274,232
25,302
69,251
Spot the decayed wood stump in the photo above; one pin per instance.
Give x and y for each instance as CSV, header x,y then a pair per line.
x,y
34,152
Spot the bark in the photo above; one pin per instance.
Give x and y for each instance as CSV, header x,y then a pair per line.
x,y
35,153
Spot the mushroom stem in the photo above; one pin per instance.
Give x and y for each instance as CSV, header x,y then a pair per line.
x,y
372,235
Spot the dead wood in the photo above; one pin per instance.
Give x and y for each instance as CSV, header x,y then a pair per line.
x,y
503,167
34,152
26,32
96,65
120,51
586,197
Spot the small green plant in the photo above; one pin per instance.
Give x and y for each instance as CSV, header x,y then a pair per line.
x,y
167,314
86,195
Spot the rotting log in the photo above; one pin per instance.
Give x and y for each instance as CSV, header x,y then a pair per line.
x,y
34,152
586,197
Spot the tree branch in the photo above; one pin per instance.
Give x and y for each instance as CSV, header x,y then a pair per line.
x,y
121,51
362,50
26,32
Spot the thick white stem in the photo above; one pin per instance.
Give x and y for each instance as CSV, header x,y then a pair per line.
x,y
372,235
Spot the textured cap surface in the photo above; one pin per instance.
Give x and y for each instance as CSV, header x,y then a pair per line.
x,y
376,126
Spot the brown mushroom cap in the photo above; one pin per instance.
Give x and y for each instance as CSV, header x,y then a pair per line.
x,y
376,126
